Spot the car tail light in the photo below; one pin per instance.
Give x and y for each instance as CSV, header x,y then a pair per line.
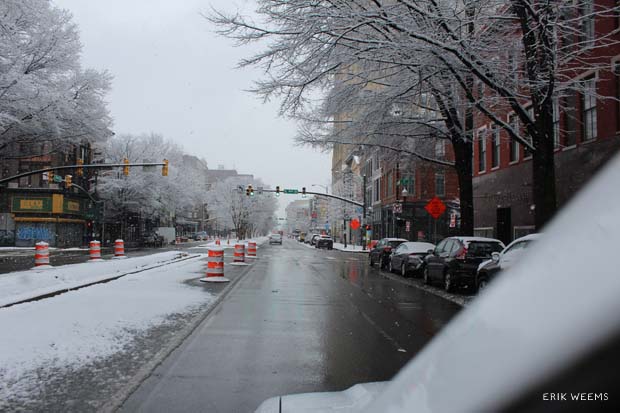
x,y
387,249
461,254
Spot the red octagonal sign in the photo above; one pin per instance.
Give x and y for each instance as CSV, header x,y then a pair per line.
x,y
435,207
355,224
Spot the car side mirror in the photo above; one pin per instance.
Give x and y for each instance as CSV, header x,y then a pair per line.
x,y
431,252
495,257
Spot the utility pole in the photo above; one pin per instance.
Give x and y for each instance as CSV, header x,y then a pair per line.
x,y
363,227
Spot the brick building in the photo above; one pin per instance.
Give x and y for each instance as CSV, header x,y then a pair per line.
x,y
586,135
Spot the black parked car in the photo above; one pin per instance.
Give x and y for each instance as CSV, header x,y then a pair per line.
x,y
324,241
408,258
381,252
455,260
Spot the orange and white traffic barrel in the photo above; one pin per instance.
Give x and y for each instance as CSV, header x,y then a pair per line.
x,y
251,249
177,240
41,255
119,249
217,242
239,253
94,250
215,266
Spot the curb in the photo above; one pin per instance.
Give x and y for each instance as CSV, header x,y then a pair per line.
x,y
102,281
463,301
118,399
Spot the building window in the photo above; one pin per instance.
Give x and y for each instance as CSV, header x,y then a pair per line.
x,y
527,153
556,123
616,69
390,184
588,20
495,148
482,150
589,109
440,149
377,189
571,104
514,145
440,184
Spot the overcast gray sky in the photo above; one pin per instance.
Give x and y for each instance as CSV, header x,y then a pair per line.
x,y
173,75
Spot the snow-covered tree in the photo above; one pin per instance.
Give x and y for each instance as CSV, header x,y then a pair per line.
x,y
145,190
45,95
233,209
487,55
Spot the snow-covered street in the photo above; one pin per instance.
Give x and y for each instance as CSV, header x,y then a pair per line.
x,y
81,344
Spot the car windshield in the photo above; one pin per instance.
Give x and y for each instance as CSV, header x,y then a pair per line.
x,y
202,201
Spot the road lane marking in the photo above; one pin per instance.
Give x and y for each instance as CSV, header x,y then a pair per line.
x,y
381,331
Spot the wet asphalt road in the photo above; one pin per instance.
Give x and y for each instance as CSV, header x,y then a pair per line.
x,y
300,320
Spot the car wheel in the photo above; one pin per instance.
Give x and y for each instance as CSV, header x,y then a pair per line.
x,y
390,269
427,279
483,284
448,282
403,270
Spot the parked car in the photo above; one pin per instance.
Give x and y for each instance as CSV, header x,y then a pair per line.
x,y
501,261
302,237
275,239
455,260
200,236
408,258
325,241
153,240
313,238
382,250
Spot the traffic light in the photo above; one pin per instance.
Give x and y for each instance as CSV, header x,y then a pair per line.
x,y
303,190
68,181
164,168
126,167
80,170
249,191
277,191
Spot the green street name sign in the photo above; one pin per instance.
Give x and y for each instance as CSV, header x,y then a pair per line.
x,y
291,191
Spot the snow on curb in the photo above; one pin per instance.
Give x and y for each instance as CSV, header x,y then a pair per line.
x,y
17,287
350,248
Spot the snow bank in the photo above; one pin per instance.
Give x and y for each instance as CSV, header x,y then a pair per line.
x,y
350,248
87,325
22,285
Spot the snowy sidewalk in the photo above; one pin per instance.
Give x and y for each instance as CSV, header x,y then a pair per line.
x,y
225,242
23,285
350,248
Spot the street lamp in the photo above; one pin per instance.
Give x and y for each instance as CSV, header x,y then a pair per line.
x,y
404,193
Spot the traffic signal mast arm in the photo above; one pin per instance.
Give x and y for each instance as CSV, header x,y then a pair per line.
x,y
93,166
350,201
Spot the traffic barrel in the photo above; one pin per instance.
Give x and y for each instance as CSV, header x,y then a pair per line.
x,y
217,242
251,249
119,249
215,266
239,253
41,255
94,250
177,240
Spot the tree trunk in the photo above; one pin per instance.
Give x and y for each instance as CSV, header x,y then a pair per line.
x,y
543,173
463,166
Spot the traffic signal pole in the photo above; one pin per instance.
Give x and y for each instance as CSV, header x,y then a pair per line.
x,y
78,166
363,226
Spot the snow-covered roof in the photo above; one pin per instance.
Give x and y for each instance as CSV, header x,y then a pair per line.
x,y
477,239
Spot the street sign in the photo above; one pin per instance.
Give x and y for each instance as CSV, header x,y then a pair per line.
x,y
407,226
57,178
290,191
397,208
435,207
355,224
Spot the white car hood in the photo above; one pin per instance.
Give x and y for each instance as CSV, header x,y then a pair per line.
x,y
352,399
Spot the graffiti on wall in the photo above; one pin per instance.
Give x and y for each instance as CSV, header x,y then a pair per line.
x,y
34,232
